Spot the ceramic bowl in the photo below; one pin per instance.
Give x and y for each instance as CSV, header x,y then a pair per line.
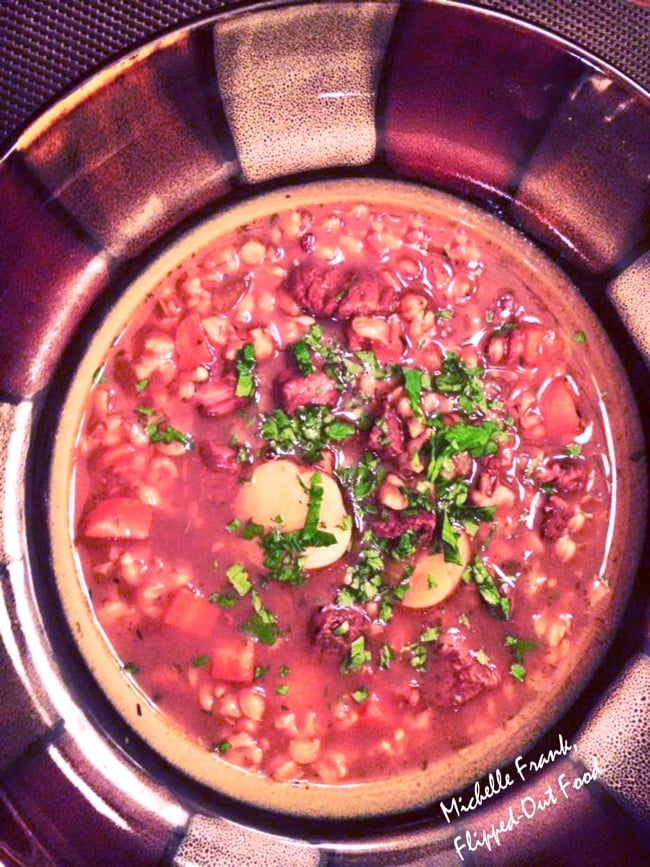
x,y
514,121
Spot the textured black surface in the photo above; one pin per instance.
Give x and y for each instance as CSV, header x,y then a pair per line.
x,y
47,46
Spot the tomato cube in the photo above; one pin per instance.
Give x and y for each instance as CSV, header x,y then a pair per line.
x,y
558,410
193,614
233,659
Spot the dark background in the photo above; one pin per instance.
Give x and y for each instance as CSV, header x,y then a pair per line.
x,y
47,46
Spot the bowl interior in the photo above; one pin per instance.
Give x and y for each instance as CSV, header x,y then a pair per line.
x,y
141,163
516,733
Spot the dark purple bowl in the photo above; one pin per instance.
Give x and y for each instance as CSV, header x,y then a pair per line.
x,y
520,123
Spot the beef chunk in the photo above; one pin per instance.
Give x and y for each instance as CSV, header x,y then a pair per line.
x,y
387,437
218,398
328,290
217,457
456,675
395,525
366,295
556,516
334,628
567,475
316,288
316,388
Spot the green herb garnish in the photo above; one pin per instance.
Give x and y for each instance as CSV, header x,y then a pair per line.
x,y
303,357
413,385
239,578
306,433
386,656
245,366
262,624
357,657
519,647
224,600
478,572
458,378
156,432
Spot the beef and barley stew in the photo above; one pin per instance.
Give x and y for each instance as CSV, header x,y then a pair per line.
x,y
343,492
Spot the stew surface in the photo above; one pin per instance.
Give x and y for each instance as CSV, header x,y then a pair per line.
x,y
343,492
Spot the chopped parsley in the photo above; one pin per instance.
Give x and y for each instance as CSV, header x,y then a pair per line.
x,y
245,367
518,671
360,695
156,431
200,661
386,656
519,647
372,364
478,440
579,337
302,357
478,572
262,624
239,578
223,746
306,433
413,385
224,600
361,481
329,351
454,512
338,365
457,378
357,657
131,668
419,650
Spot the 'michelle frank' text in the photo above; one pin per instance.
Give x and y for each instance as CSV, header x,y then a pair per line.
x,y
557,792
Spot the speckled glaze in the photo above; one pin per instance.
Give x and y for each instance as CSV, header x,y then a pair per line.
x,y
452,96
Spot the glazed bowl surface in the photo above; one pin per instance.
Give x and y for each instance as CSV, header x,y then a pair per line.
x,y
115,179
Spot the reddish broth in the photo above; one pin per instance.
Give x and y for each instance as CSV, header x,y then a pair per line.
x,y
422,541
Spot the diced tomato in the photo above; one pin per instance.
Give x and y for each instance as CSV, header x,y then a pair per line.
x,y
193,614
233,659
118,518
191,345
558,410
